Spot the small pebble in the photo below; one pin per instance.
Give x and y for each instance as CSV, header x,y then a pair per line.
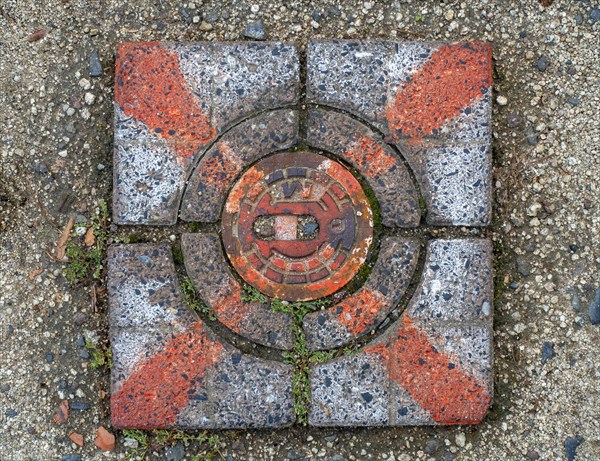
x,y
95,67
205,26
5,388
185,16
79,406
523,267
10,413
460,439
255,30
595,14
573,101
89,98
160,25
71,457
542,64
502,100
547,352
176,453
578,19
571,444
431,446
594,309
532,454
50,358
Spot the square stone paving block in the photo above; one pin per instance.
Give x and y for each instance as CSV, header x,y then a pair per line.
x,y
390,136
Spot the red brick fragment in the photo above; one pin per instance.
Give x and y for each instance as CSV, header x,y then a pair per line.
x,y
76,438
105,440
61,415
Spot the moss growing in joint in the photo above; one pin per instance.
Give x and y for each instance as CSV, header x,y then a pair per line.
x,y
193,301
300,357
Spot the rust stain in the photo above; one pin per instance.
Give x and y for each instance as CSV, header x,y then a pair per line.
x,y
286,186
449,393
359,311
240,189
455,75
161,386
150,87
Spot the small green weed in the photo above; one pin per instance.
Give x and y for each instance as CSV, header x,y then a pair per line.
x,y
251,294
193,301
98,358
143,444
88,261
207,446
300,357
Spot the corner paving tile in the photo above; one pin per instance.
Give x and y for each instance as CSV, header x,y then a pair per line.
x,y
431,100
170,370
171,103
430,368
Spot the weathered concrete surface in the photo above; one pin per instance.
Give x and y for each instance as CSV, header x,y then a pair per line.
x,y
237,149
432,100
361,312
219,289
382,167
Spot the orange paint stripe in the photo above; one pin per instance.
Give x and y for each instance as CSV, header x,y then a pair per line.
x,y
229,307
455,75
450,394
161,386
359,311
150,87
369,157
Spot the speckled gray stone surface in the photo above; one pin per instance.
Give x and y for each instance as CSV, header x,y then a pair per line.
x,y
349,391
382,167
431,366
229,82
450,161
456,283
244,78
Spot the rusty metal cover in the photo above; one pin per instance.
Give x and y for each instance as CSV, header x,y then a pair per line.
x,y
297,226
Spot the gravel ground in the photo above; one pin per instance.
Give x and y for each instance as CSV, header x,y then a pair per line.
x,y
55,162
